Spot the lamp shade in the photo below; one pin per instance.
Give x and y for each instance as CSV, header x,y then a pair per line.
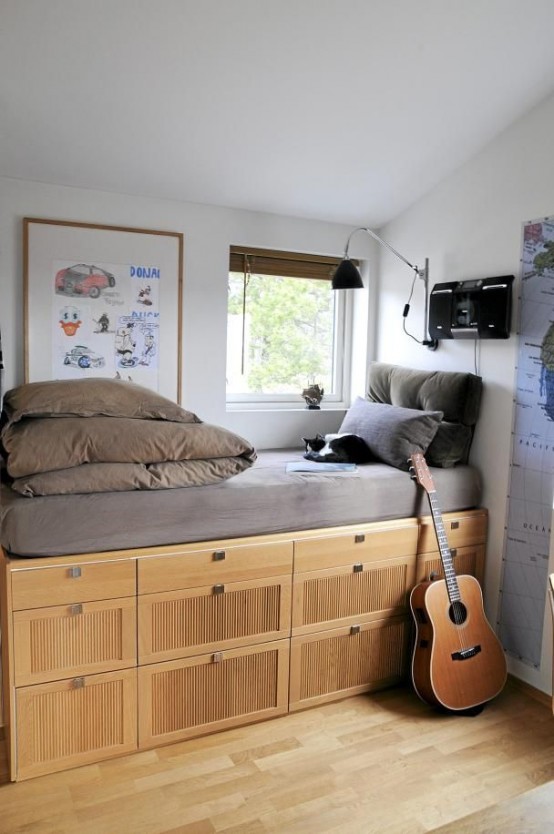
x,y
346,276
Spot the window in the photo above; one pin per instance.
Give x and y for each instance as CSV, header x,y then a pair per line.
x,y
285,327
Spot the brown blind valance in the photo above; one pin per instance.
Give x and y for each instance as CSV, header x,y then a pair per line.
x,y
287,264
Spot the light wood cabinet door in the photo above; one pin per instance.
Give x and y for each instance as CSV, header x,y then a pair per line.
x,y
358,593
368,544
462,529
199,620
79,639
185,698
74,722
42,587
466,560
206,566
346,661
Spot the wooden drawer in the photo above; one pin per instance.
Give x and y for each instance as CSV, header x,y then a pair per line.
x,y
74,722
353,594
79,639
466,560
461,529
185,698
198,568
366,544
346,661
198,620
40,587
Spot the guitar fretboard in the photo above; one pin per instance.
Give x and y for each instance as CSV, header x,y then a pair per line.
x,y
445,554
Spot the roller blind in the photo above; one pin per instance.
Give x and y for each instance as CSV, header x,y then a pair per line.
x,y
285,264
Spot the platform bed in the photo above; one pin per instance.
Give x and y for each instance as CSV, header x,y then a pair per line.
x,y
105,653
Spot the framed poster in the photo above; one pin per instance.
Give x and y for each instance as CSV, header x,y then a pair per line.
x,y
102,301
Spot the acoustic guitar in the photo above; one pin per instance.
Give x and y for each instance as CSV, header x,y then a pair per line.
x,y
458,662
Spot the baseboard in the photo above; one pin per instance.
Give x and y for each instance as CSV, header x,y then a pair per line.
x,y
537,694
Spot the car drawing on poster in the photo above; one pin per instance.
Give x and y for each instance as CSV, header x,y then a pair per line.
x,y
82,357
83,279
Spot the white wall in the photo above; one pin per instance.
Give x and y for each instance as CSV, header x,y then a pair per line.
x,y
470,227
208,232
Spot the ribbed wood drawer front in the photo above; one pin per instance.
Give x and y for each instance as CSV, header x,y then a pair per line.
x,y
365,545
334,664
206,567
73,722
40,587
328,599
462,529
79,639
203,694
466,560
183,623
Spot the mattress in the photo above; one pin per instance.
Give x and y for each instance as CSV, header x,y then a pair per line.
x,y
263,499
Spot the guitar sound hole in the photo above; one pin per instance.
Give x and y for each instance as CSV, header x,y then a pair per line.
x,y
457,613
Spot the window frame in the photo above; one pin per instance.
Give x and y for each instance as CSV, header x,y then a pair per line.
x,y
313,267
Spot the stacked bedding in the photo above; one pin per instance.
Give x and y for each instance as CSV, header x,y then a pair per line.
x,y
107,435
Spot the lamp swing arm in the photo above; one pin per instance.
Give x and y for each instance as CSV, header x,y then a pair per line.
x,y
420,273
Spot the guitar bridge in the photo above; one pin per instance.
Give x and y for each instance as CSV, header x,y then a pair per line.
x,y
465,654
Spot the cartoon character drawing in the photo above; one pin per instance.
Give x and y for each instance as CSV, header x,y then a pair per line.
x,y
149,349
125,345
144,295
70,320
103,323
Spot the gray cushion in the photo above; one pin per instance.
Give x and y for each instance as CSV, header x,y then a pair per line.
x,y
456,394
392,433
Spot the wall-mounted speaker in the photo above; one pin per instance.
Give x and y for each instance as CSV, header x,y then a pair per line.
x,y
480,309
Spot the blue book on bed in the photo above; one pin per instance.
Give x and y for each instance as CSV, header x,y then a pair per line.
x,y
313,466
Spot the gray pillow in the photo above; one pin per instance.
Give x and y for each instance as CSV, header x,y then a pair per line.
x,y
392,433
450,445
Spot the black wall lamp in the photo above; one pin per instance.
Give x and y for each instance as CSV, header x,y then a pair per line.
x,y
347,277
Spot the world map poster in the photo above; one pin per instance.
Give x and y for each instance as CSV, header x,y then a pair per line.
x,y
529,506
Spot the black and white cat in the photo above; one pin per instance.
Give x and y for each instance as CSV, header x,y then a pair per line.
x,y
337,448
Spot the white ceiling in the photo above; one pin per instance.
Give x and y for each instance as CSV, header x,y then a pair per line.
x,y
342,110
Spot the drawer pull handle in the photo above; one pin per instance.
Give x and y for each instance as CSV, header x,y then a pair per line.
x,y
78,683
76,609
219,555
453,552
355,629
74,573
359,538
217,657
219,589
454,525
358,567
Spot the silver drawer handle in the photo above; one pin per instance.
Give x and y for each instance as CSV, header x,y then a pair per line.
x,y
218,555
78,683
74,573
355,629
219,589
358,567
217,657
76,609
359,538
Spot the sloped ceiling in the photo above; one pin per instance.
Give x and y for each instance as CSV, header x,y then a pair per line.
x,y
341,110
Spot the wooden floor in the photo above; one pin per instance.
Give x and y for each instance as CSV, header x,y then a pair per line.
x,y
382,763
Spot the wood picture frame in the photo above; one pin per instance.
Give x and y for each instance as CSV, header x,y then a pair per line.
x,y
102,300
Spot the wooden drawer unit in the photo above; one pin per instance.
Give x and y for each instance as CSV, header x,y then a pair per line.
x,y
462,529
77,639
184,623
74,722
367,544
346,661
185,698
466,560
40,587
197,568
354,594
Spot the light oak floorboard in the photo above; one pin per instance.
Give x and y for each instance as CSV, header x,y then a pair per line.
x,y
382,763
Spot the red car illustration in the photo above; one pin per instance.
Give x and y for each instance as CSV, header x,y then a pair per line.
x,y
83,279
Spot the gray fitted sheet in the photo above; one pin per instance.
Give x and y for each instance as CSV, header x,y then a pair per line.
x,y
263,499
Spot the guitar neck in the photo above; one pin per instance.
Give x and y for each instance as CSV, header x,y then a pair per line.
x,y
445,554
